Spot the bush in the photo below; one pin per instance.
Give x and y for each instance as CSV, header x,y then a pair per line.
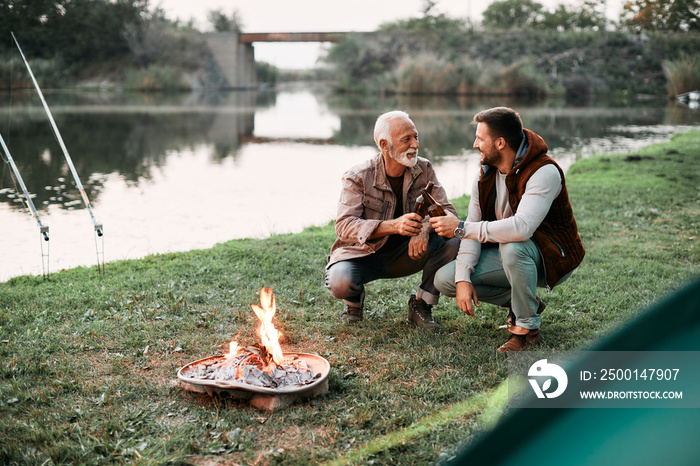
x,y
50,74
683,74
156,78
522,79
489,74
490,61
426,73
577,88
266,73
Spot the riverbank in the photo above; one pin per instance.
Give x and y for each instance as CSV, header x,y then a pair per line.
x,y
452,60
143,164
89,362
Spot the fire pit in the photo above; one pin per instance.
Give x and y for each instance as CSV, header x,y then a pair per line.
x,y
261,373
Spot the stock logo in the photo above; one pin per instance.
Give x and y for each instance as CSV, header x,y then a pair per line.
x,y
542,370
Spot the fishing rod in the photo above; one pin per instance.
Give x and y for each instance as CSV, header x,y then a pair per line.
x,y
43,229
86,201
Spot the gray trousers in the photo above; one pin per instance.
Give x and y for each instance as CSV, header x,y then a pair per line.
x,y
509,273
346,279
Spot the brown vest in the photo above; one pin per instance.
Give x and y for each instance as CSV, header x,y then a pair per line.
x,y
557,236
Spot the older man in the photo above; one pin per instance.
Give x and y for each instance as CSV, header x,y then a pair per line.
x,y
520,232
379,235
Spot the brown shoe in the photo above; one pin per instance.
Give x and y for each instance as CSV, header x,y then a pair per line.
x,y
521,339
510,321
351,314
421,313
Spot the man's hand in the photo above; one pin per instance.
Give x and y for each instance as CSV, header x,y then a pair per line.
x,y
465,295
445,225
408,224
417,246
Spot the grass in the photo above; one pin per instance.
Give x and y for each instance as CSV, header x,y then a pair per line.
x,y
88,363
682,75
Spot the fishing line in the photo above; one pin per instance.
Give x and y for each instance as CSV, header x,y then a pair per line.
x,y
43,229
7,158
69,160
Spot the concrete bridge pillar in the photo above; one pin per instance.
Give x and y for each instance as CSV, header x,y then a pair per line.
x,y
234,60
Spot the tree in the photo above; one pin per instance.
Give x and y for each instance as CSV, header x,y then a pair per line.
x,y
223,23
560,19
589,16
150,39
79,31
507,14
155,40
662,15
435,31
362,59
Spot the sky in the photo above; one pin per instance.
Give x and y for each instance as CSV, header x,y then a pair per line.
x,y
324,16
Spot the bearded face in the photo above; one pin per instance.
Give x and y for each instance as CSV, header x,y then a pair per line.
x,y
490,155
408,158
486,145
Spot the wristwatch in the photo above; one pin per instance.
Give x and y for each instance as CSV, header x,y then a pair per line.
x,y
459,231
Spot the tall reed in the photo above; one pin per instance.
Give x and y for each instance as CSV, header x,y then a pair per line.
x,y
683,74
155,78
426,73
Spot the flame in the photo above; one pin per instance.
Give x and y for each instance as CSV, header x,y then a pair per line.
x,y
233,350
269,335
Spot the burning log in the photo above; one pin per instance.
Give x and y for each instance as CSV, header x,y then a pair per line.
x,y
249,367
260,372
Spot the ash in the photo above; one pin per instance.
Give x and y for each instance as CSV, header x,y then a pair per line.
x,y
248,367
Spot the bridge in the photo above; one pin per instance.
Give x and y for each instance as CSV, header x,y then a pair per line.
x,y
233,56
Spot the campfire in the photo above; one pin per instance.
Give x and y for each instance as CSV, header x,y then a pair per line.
x,y
261,372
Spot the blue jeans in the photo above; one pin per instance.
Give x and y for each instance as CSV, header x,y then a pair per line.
x,y
509,273
346,279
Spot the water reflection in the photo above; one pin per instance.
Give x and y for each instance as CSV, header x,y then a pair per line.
x,y
180,172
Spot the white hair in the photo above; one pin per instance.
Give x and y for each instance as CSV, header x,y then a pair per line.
x,y
382,128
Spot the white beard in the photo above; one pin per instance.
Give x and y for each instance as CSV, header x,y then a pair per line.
x,y
402,158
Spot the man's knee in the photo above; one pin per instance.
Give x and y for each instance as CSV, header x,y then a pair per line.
x,y
448,247
518,254
339,280
444,279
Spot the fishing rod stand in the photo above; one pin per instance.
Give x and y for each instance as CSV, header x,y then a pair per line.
x,y
44,232
100,248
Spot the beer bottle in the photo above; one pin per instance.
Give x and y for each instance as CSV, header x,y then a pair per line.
x,y
435,209
421,206
426,204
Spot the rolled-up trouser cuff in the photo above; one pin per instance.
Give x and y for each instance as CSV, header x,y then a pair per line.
x,y
429,298
530,323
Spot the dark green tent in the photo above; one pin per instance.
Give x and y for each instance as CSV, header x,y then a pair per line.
x,y
624,436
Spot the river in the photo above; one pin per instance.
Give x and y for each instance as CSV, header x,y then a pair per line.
x,y
180,172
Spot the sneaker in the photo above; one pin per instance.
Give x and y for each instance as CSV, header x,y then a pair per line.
x,y
351,314
420,313
510,321
521,339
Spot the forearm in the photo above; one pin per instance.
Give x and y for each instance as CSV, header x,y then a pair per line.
x,y
406,225
509,230
385,228
469,249
467,258
355,230
541,190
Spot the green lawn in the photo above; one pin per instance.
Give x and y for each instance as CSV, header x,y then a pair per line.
x,y
88,363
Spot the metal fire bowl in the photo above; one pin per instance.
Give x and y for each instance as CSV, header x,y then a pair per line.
x,y
261,397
